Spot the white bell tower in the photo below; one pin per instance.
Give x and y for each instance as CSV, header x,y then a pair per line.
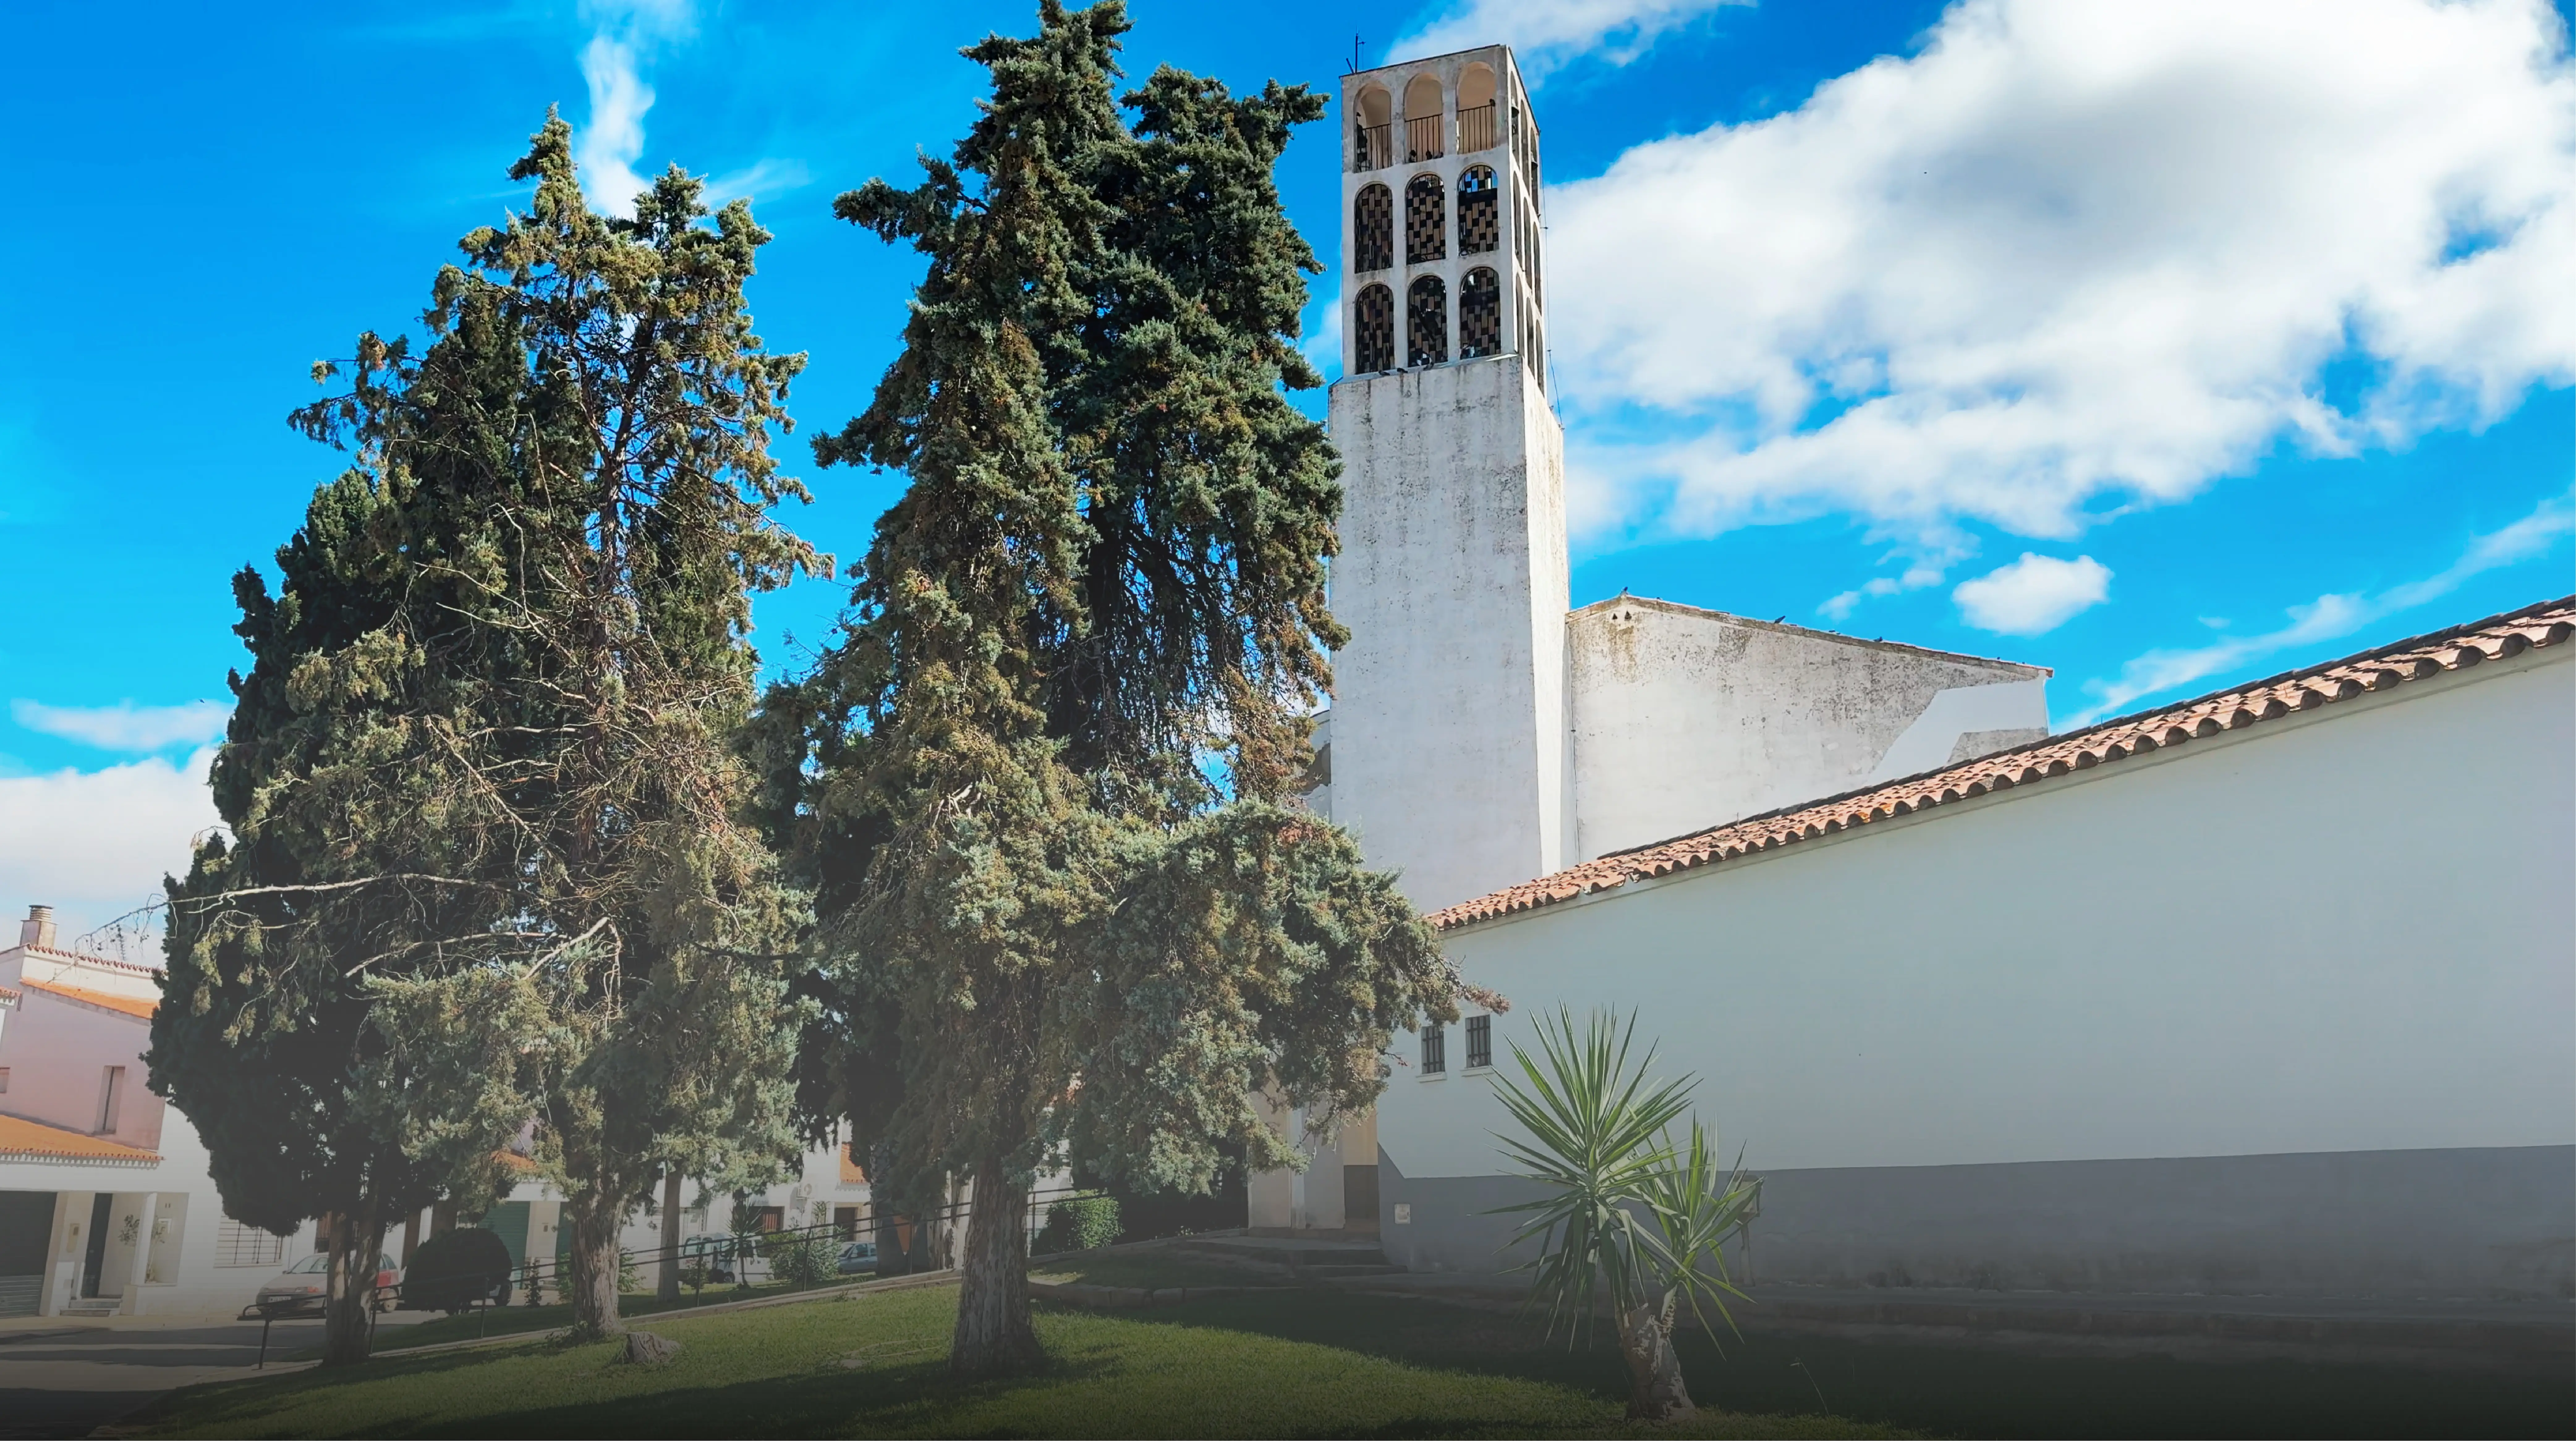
x,y
1448,732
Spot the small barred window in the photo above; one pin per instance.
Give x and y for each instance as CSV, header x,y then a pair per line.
x,y
1426,220
1480,1042
1373,326
1426,322
1373,229
1435,1050
1480,221
240,1245
1480,314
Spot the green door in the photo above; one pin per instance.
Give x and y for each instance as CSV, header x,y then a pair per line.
x,y
509,1221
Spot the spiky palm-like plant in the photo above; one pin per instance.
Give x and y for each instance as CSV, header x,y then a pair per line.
x,y
1630,1216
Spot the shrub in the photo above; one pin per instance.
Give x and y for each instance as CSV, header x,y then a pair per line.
x,y
1079,1224
453,1271
813,1255
804,1259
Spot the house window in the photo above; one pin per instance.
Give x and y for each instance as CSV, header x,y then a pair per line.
x,y
240,1245
1480,1042
4,1080
111,1099
1435,1050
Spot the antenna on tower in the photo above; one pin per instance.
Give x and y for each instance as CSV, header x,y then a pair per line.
x,y
1355,55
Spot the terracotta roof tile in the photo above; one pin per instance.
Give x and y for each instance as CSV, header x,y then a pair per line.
x,y
131,1005
88,959
2495,638
25,1140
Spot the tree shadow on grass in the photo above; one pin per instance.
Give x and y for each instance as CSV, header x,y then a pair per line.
x,y
904,1394
1950,1389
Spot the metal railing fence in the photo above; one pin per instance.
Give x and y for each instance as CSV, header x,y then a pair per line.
x,y
1476,128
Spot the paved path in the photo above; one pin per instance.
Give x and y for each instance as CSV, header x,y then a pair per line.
x,y
71,1379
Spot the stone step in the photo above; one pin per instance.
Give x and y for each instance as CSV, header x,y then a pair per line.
x,y
1321,1272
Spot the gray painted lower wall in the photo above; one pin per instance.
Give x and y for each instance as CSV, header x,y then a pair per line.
x,y
2485,1223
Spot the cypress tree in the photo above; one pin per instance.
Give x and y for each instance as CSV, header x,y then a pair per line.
x,y
572,504
264,1025
1038,783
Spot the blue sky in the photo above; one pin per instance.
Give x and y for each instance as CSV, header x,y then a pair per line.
x,y
2254,336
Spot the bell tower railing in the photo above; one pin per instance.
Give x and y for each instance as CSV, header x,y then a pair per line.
x,y
1422,140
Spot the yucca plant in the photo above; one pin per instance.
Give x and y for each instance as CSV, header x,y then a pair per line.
x,y
1630,1217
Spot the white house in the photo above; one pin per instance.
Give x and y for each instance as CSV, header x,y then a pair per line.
x,y
2269,991
106,1204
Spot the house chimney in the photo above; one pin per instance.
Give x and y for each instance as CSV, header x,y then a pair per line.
x,y
38,928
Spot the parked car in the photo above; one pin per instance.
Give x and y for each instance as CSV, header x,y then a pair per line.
x,y
715,1253
305,1287
458,1270
857,1256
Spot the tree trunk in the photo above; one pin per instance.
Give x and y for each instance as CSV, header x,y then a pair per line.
x,y
667,1286
891,1257
1655,1389
994,1336
356,1242
593,1284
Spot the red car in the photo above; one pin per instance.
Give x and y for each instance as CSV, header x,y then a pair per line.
x,y
305,1287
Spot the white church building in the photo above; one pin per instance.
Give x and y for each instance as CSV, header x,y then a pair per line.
x,y
2266,993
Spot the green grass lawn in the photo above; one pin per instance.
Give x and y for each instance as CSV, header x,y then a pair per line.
x,y
876,1366
1322,1363
513,1320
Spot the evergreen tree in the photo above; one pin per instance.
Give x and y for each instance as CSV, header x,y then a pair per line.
x,y
1038,781
572,491
264,1025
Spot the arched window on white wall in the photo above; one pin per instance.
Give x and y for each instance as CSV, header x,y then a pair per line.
x,y
1477,129
1373,228
1480,220
1422,120
1426,220
1373,130
1373,328
1426,322
1480,314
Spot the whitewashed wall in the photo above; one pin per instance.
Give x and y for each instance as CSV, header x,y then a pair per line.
x,y
1685,718
1448,721
2343,932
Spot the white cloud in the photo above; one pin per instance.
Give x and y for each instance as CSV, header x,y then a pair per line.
x,y
1323,340
96,844
607,146
760,178
2076,252
2033,595
2327,617
126,726
1545,34
1925,571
